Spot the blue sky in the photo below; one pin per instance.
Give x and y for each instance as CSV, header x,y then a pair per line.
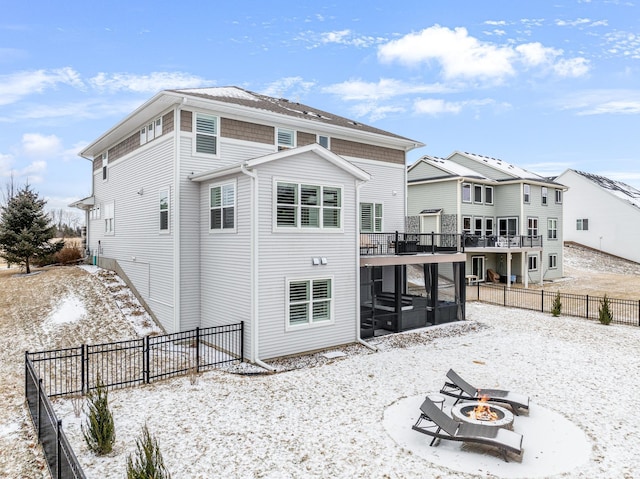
x,y
544,85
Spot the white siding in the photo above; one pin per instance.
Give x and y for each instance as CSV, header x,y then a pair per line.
x,y
387,186
285,255
145,254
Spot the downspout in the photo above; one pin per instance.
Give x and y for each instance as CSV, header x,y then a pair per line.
x,y
357,250
176,218
254,280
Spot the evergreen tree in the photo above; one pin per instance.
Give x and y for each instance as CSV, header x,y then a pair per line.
x,y
556,307
148,464
100,431
25,229
605,316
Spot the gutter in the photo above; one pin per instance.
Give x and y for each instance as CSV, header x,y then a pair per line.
x,y
357,250
255,284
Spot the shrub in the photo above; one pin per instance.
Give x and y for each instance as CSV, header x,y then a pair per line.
x,y
68,254
556,307
100,431
604,313
148,463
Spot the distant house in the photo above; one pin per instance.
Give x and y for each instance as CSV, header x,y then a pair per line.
x,y
602,214
221,205
511,218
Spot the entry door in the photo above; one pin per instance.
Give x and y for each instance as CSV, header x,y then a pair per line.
x,y
430,224
477,267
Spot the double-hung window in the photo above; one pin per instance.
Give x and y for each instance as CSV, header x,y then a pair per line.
x,y
532,227
370,217
488,226
533,262
466,224
477,193
308,206
488,195
466,193
222,205
526,193
558,196
477,226
552,228
545,194
109,218
206,134
310,302
164,210
553,261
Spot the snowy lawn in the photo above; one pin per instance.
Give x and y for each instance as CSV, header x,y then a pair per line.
x,y
351,416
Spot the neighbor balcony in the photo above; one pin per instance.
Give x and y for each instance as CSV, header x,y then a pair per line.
x,y
390,244
518,242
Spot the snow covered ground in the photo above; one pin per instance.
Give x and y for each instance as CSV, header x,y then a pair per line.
x,y
349,415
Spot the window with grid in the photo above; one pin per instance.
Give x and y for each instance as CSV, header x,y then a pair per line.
x,y
370,217
553,261
532,226
582,224
310,302
308,206
206,134
526,192
164,210
533,262
222,204
552,228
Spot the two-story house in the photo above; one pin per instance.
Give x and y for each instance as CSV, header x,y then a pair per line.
x,y
601,213
221,205
511,218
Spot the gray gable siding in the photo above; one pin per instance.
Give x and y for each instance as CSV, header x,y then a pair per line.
x,y
423,171
482,168
431,196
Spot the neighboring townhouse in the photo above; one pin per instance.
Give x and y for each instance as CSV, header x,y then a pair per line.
x,y
511,217
602,214
220,205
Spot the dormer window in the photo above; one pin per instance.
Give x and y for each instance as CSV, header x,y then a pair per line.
x,y
286,138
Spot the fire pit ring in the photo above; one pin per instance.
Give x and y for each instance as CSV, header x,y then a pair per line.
x,y
460,412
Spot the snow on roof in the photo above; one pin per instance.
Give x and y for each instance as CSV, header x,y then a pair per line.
x,y
504,166
617,188
225,92
452,167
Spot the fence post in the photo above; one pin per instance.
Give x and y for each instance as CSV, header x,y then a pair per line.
x,y
241,341
84,357
146,366
58,451
587,307
542,301
504,296
39,401
198,349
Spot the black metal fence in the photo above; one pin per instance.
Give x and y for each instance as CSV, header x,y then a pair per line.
x,y
372,244
77,370
61,459
137,361
623,311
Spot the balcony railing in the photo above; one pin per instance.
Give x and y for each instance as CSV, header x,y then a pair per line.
x,y
502,241
373,244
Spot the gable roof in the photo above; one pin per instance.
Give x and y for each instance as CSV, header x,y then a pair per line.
x,y
322,152
502,166
234,100
617,188
450,168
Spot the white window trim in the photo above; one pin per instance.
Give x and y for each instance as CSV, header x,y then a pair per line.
x,y
462,193
310,324
545,196
555,261
550,229
168,230
298,227
194,129
526,193
328,147
373,217
481,190
222,230
150,131
109,220
532,262
485,194
105,167
470,229
536,220
558,196
284,145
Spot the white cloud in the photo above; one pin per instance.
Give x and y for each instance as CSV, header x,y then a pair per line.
x,y
463,57
385,88
288,87
435,106
460,55
497,23
603,102
347,37
16,86
573,23
375,112
37,145
151,83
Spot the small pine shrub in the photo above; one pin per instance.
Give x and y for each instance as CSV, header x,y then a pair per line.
x,y
99,432
68,254
556,307
148,463
604,313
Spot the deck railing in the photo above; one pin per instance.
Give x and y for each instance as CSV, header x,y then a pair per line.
x,y
373,244
502,241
